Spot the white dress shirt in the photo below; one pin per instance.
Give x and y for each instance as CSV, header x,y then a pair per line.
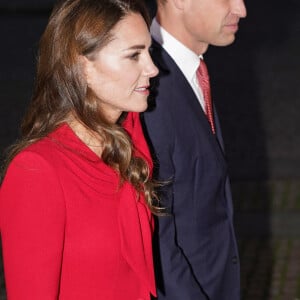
x,y
186,59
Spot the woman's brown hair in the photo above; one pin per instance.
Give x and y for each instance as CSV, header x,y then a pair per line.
x,y
81,27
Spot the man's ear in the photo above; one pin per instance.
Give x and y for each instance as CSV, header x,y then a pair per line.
x,y
179,4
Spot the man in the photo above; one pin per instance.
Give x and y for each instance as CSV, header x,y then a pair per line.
x,y
196,251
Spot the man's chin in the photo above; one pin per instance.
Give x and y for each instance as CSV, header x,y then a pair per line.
x,y
224,42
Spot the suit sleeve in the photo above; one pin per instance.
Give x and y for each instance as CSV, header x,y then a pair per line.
x,y
32,220
175,278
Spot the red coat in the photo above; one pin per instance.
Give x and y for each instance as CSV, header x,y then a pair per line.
x,y
68,231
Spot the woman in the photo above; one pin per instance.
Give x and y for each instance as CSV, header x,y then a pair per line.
x,y
76,199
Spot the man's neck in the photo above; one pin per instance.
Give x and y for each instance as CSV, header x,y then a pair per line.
x,y
178,32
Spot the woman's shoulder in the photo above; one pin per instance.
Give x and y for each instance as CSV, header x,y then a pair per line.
x,y
40,153
58,139
33,158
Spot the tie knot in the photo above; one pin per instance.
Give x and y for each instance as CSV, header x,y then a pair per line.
x,y
202,72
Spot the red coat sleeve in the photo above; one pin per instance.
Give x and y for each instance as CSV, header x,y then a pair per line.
x,y
32,221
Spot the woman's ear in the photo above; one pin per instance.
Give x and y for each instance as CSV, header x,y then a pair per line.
x,y
86,66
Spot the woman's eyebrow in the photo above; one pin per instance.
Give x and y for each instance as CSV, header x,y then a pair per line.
x,y
136,47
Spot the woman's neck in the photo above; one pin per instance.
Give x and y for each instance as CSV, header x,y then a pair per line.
x,y
90,138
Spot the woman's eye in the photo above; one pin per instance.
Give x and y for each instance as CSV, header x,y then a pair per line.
x,y
135,56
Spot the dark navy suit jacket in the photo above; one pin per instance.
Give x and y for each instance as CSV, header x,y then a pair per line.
x,y
196,253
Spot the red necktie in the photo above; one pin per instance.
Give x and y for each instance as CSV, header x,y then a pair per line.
x,y
203,80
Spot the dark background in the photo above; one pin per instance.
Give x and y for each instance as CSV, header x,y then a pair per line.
x,y
256,88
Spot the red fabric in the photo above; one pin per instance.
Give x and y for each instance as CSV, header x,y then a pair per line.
x,y
68,231
203,79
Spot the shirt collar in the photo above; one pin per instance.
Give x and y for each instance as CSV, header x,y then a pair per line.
x,y
186,59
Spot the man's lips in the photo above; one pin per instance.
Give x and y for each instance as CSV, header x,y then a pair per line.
x,y
234,26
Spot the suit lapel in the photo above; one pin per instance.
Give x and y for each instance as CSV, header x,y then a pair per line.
x,y
182,91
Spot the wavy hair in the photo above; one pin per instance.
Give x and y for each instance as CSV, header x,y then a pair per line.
x,y
81,27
